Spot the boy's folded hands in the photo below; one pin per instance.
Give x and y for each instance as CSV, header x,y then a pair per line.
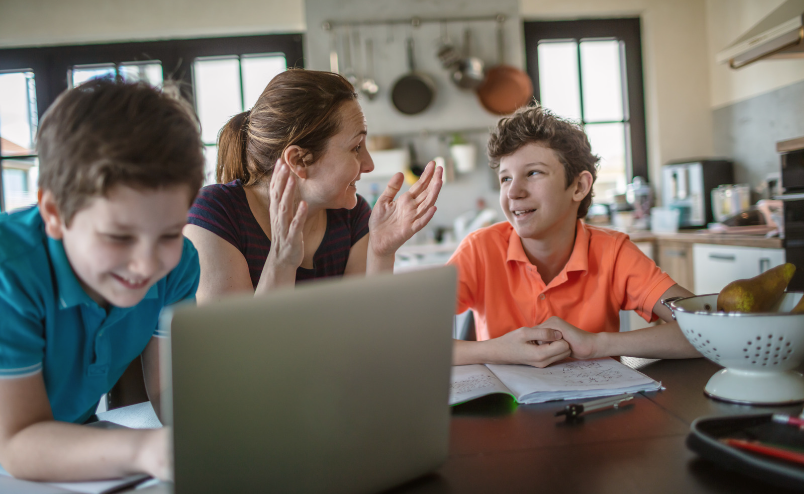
x,y
582,344
537,346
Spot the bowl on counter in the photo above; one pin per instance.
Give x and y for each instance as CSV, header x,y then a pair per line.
x,y
760,352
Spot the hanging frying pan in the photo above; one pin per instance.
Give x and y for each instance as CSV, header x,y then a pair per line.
x,y
505,88
415,91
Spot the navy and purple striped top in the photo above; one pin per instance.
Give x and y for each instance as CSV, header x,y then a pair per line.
x,y
223,210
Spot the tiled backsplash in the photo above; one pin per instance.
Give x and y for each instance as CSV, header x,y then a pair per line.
x,y
747,131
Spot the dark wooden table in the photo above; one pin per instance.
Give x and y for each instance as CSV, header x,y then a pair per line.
x,y
498,447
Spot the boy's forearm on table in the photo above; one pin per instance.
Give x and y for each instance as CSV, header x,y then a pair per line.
x,y
663,341
60,451
472,352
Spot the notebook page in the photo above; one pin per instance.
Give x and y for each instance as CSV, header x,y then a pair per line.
x,y
473,381
572,379
91,487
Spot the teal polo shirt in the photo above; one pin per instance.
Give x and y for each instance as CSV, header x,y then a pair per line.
x,y
49,324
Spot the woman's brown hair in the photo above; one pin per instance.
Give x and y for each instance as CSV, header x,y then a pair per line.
x,y
535,124
298,107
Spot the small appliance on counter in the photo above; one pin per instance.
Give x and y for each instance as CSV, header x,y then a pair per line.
x,y
687,185
728,200
639,195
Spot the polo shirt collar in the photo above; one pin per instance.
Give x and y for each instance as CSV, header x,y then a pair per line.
x,y
69,290
515,250
578,261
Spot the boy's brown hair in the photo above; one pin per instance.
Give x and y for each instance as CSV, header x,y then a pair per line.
x,y
105,133
535,124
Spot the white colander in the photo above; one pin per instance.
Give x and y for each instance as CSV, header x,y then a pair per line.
x,y
758,351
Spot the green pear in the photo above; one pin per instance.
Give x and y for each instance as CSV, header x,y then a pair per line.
x,y
757,294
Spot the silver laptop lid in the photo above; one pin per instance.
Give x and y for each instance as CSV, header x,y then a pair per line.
x,y
336,386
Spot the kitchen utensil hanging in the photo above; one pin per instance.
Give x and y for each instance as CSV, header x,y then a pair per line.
x,y
505,88
348,68
447,53
368,86
415,91
333,52
469,73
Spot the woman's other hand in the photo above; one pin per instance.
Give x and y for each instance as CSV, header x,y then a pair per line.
x,y
394,222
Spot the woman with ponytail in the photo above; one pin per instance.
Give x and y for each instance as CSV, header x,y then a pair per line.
x,y
286,207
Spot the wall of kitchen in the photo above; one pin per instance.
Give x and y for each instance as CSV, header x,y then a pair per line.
x,y
48,22
755,106
676,69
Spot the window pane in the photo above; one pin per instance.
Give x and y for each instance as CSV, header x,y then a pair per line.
x,y
150,72
18,115
608,142
83,73
211,159
217,94
19,182
558,78
257,73
602,80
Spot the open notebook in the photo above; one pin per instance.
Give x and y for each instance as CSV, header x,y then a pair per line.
x,y
569,380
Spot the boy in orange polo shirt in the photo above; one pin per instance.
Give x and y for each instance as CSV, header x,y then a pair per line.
x,y
545,286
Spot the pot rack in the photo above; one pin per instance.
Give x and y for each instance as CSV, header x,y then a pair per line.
x,y
414,21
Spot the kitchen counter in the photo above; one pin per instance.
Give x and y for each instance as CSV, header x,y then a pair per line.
x,y
706,237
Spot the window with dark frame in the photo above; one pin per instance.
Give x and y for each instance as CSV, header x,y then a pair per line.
x,y
51,70
590,71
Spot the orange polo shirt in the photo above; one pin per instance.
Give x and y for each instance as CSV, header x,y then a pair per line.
x,y
606,273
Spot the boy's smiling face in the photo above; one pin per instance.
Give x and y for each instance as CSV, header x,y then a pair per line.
x,y
534,195
122,243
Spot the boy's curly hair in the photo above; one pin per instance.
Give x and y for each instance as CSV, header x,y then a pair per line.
x,y
535,124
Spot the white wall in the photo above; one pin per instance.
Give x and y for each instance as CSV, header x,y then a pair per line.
x,y
676,61
51,22
727,20
675,65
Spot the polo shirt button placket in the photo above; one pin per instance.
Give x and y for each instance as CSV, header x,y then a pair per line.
x,y
541,297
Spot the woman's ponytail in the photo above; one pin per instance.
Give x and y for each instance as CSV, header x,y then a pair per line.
x,y
232,155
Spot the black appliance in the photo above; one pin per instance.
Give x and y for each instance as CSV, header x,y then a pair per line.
x,y
792,158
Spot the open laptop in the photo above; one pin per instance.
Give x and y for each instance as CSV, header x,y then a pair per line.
x,y
336,386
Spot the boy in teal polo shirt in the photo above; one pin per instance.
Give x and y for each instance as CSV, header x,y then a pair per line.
x,y
85,274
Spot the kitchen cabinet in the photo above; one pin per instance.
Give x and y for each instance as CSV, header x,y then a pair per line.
x,y
715,266
675,258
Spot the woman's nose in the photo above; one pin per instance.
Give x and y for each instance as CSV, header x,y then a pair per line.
x,y
366,164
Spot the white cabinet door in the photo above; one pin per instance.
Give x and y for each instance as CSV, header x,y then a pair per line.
x,y
715,266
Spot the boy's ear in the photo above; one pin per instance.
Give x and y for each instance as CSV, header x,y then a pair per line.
x,y
49,211
294,157
583,184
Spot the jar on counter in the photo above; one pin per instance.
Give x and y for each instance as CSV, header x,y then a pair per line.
x,y
640,196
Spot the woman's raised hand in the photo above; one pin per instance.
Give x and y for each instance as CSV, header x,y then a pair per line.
x,y
287,222
393,222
